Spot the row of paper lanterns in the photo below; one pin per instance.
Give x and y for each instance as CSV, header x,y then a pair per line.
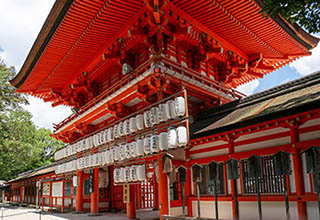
x,y
129,174
172,109
175,137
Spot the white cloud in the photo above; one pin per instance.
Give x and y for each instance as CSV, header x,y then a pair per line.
x,y
21,21
44,115
249,87
307,65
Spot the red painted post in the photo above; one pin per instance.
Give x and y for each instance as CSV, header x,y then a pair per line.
x,y
298,173
79,195
94,194
131,206
155,193
163,190
63,188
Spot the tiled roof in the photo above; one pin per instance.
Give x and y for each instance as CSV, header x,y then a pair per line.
x,y
301,94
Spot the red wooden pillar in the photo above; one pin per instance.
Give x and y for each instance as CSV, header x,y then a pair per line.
x,y
155,193
298,173
63,187
95,193
79,195
131,205
163,190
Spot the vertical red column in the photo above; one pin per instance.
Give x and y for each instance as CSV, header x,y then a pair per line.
x,y
94,194
155,193
79,195
163,190
131,205
63,187
298,173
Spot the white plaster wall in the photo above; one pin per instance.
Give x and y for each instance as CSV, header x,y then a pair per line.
x,y
311,123
67,202
270,210
263,144
209,154
86,205
312,210
178,210
207,209
103,205
261,133
309,136
206,145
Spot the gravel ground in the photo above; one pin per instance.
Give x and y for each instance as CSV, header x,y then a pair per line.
x,y
20,213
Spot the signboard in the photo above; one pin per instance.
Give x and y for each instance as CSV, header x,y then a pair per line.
x,y
126,193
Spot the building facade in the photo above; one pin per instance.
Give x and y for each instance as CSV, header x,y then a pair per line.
x,y
151,85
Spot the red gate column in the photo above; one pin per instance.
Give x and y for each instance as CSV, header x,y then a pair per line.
x,y
131,206
155,193
163,190
298,173
94,194
79,195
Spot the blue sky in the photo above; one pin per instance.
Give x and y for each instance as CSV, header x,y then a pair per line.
x,y
21,21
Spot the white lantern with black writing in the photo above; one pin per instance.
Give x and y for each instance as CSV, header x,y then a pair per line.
x,y
172,137
140,122
155,143
132,125
163,112
154,116
140,147
147,144
147,119
182,138
163,141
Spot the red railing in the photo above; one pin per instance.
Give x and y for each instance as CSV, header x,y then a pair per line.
x,y
188,72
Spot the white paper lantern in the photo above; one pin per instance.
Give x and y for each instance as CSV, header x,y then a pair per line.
x,y
116,131
172,138
140,148
172,109
132,125
140,122
106,157
155,143
122,152
154,116
163,141
182,136
126,127
113,154
116,175
95,140
147,119
180,106
110,134
127,151
105,135
117,153
122,173
141,173
133,149
133,173
120,129
102,137
147,145
87,161
127,177
163,112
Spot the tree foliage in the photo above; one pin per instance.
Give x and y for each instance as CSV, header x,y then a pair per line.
x,y
22,146
305,12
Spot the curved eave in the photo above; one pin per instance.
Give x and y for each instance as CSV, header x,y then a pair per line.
x,y
52,22
295,31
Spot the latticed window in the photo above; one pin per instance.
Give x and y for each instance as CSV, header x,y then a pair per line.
x,y
207,185
268,183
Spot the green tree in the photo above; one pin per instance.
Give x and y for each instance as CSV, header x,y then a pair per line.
x,y
22,146
305,12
